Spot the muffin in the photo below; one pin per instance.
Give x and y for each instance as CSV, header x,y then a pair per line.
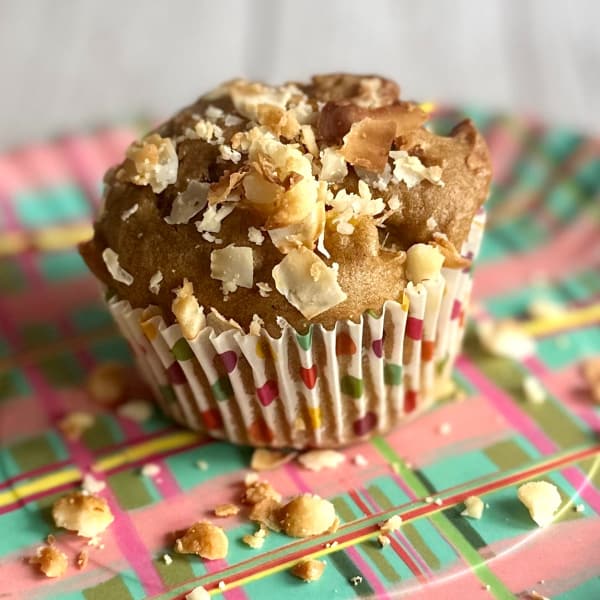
x,y
291,265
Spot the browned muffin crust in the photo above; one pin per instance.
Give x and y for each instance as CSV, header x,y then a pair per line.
x,y
340,159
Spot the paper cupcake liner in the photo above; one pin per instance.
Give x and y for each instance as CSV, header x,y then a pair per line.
x,y
324,388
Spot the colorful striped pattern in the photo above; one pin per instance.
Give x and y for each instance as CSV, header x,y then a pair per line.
x,y
543,240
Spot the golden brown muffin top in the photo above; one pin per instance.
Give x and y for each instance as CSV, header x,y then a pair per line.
x,y
298,201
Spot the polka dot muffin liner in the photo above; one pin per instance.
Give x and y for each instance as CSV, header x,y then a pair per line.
x,y
323,388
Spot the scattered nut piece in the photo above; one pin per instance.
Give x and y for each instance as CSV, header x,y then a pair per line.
x,y
473,507
76,423
82,559
266,512
265,460
198,593
356,580
392,524
307,515
91,485
107,382
534,391
579,508
438,501
445,429
86,514
505,338
256,539
383,540
167,559
187,311
308,570
52,561
136,410
150,470
533,595
226,510
205,540
202,465
259,490
423,262
541,499
360,461
591,373
315,460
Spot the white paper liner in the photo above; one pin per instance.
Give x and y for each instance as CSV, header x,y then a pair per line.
x,y
323,389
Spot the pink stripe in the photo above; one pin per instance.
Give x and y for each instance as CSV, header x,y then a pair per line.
x,y
504,149
165,482
292,472
505,406
215,567
574,245
365,571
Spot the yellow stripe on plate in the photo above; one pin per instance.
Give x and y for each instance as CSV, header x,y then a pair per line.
x,y
41,484
569,320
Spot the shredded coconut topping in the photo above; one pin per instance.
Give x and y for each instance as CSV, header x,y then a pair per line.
x,y
412,171
155,281
189,203
233,266
118,273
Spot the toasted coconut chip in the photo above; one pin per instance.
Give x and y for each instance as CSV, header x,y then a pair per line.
x,y
155,281
249,97
189,203
233,266
219,192
505,338
337,118
316,460
307,283
266,460
368,144
257,539
281,122
75,423
452,257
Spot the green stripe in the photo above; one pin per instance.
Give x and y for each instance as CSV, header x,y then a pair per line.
x,y
470,554
342,562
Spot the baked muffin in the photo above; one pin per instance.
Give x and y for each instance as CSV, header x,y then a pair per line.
x,y
291,263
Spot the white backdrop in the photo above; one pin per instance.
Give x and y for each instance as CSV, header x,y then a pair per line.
x,y
68,64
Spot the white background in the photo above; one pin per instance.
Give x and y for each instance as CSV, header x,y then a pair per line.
x,y
70,64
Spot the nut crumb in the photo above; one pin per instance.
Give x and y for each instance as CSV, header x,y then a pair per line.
x,y
392,524
445,429
308,570
541,499
259,490
107,382
356,580
226,510
534,391
266,512
202,465
86,514
198,593
91,485
150,470
579,508
316,460
76,423
52,561
203,539
136,410
187,311
590,368
256,539
167,559
82,559
265,460
383,540
473,507
360,461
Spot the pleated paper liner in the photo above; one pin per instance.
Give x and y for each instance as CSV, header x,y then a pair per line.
x,y
324,388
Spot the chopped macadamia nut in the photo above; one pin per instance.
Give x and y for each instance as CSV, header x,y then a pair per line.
x,y
207,131
187,311
86,514
205,540
308,569
534,391
383,540
117,272
334,168
307,136
52,561
316,460
346,207
473,507
412,171
233,266
392,524
136,410
266,512
189,203
307,515
423,262
226,510
107,383
198,593
505,338
541,499
76,423
151,161
307,283
266,460
264,289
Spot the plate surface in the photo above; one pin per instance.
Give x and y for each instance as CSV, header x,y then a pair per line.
x,y
543,240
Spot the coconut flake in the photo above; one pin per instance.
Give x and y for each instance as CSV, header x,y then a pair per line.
x,y
189,203
118,273
264,289
228,153
255,236
233,266
130,211
412,171
213,216
155,282
334,167
307,282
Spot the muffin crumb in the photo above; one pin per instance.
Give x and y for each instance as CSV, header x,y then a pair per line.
x,y
205,540
86,514
308,570
52,562
226,510
76,423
